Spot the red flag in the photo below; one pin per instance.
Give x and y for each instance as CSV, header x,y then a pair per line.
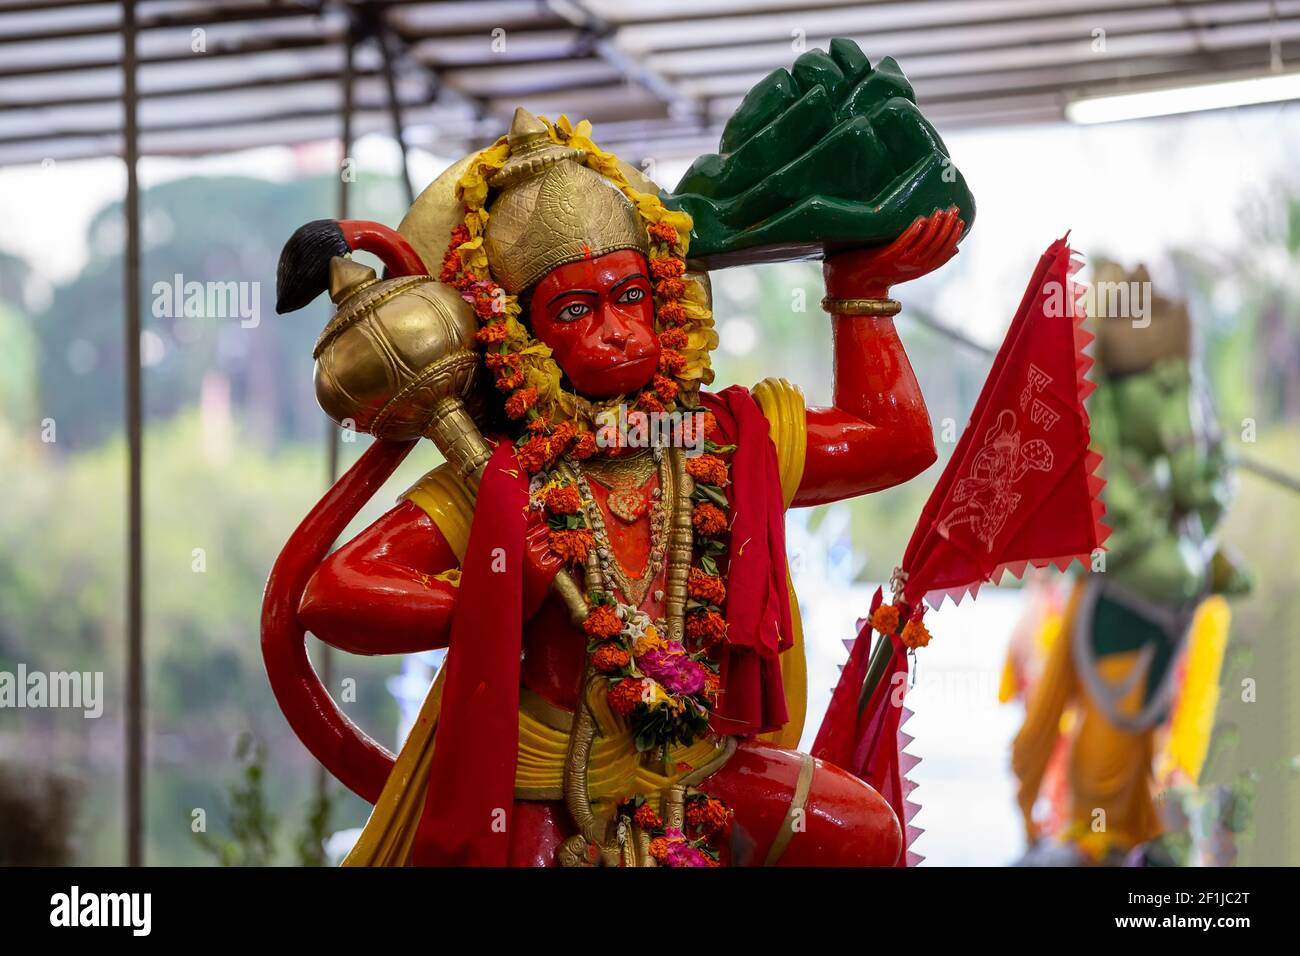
x,y
1020,488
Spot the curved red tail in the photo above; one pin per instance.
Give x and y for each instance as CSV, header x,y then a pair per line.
x,y
346,751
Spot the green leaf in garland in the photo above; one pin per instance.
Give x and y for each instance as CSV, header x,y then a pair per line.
x,y
711,493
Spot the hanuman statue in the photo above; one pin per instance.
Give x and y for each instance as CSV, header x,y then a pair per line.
x,y
602,550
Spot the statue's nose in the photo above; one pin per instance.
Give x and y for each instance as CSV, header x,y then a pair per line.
x,y
615,331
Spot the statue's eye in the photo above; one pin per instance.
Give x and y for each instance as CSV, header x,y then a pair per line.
x,y
572,312
632,295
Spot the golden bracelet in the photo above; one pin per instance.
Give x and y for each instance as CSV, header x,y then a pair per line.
x,y
861,306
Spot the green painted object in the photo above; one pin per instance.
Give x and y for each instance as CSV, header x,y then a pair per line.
x,y
830,154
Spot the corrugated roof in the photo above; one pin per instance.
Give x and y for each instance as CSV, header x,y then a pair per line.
x,y
658,78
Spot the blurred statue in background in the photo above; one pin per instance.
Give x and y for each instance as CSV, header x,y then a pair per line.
x,y
603,550
1120,676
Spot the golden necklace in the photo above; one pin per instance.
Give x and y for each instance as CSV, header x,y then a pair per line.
x,y
633,472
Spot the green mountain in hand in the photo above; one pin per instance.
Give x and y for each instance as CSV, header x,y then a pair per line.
x,y
832,154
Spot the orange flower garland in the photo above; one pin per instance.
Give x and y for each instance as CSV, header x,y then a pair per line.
x,y
525,373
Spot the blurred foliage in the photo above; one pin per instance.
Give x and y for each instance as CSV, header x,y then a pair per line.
x,y
1246,305
252,825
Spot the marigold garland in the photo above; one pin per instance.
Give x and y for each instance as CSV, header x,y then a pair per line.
x,y
522,367
665,690
707,821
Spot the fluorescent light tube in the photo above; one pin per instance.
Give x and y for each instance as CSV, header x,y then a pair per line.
x,y
1112,108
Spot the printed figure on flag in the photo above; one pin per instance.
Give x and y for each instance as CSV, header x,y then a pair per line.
x,y
984,498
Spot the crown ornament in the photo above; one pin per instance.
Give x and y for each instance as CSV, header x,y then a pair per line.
x,y
552,210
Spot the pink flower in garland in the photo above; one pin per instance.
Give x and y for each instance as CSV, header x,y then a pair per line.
x,y
673,669
683,854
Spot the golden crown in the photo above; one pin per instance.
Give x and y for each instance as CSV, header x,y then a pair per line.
x,y
551,210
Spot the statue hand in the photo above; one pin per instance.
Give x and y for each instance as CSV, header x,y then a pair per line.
x,y
541,564
924,246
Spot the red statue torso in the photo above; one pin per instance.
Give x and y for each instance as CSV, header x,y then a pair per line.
x,y
380,593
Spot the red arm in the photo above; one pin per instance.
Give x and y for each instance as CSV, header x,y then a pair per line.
x,y
877,433
378,594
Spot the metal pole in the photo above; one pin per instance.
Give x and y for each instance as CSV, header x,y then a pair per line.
x,y
331,430
395,108
135,742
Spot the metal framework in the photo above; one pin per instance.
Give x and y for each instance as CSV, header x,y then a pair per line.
x,y
658,79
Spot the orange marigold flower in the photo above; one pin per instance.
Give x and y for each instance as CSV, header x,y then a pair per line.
x,y
885,619
707,627
673,313
707,469
508,381
494,333
459,235
706,587
610,658
572,545
672,339
659,849
712,685
708,814
517,404
533,454
710,425
669,267
648,401
584,447
602,622
671,361
663,232
538,425
667,289
665,387
563,500
708,519
565,434
646,818
625,695
485,304
915,634
451,266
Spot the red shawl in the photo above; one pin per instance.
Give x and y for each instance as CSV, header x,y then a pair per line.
x,y
758,600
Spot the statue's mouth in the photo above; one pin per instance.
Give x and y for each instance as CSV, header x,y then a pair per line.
x,y
631,363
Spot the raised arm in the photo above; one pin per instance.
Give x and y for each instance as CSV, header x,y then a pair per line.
x,y
877,433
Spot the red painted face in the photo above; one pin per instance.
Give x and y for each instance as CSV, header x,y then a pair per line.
x,y
598,319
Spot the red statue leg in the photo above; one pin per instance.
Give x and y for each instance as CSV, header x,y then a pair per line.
x,y
538,827
844,821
